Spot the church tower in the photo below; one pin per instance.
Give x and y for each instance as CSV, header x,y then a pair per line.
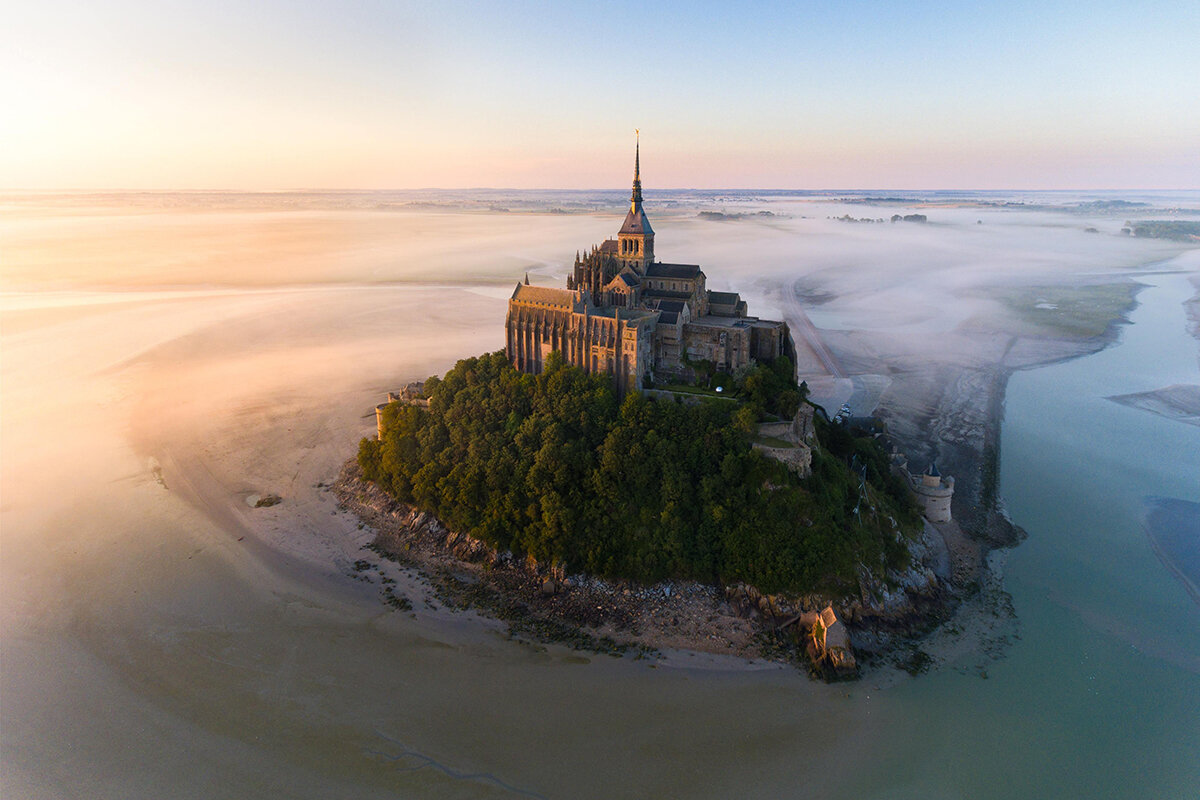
x,y
635,241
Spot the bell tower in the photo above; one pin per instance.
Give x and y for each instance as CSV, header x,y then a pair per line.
x,y
635,241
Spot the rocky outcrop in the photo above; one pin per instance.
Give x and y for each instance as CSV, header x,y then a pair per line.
x,y
541,601
829,645
887,611
808,620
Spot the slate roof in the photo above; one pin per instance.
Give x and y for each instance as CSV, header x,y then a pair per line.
x,y
667,304
636,222
544,295
677,271
650,294
723,298
710,321
668,317
608,246
627,314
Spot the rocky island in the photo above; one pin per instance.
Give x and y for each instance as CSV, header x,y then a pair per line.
x,y
549,478
640,469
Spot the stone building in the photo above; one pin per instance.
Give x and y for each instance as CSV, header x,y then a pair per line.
x,y
627,315
934,493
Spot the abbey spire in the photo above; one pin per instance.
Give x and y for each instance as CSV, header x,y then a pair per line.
x,y
635,200
635,241
636,319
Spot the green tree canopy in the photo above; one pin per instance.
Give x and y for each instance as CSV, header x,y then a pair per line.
x,y
554,467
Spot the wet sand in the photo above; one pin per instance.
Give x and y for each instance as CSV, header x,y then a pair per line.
x,y
1180,403
1174,529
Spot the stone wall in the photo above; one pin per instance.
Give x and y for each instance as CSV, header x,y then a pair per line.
x,y
728,348
934,500
798,458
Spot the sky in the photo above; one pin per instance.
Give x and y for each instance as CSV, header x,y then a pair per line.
x,y
275,94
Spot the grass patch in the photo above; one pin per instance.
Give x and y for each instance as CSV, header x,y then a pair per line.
x,y
1071,312
680,388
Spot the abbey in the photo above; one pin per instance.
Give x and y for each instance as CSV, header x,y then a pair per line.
x,y
640,320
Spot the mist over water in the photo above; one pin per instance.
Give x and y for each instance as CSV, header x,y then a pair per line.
x,y
164,356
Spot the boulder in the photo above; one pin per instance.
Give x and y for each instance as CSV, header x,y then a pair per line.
x,y
842,660
836,636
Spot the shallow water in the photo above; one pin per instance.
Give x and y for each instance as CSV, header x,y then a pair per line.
x,y
164,639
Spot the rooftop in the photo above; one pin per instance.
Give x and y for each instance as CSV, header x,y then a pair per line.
x,y
545,296
666,303
709,321
626,314
677,271
652,294
636,222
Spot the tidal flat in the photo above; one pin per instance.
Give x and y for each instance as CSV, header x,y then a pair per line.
x,y
165,357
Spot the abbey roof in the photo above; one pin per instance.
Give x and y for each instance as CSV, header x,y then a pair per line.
x,y
636,222
676,271
545,296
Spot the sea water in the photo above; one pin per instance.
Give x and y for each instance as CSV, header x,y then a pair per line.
x,y
1100,696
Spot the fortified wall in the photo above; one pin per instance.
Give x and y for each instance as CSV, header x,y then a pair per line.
x,y
933,490
411,395
799,437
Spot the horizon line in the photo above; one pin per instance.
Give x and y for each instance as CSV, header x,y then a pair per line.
x,y
345,190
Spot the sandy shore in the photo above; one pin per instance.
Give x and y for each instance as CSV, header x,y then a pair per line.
x,y
610,617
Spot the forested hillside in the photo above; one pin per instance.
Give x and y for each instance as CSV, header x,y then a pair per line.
x,y
553,466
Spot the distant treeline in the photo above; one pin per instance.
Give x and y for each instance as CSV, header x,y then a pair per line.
x,y
723,216
554,467
1176,230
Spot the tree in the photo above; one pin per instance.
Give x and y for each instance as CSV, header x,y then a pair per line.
x,y
552,466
